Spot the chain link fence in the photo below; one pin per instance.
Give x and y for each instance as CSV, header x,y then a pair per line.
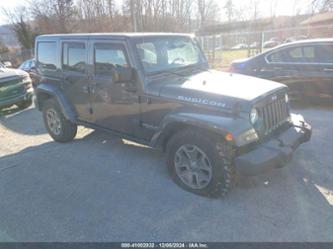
x,y
222,48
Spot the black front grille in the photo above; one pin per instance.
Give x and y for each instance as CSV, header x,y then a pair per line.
x,y
274,114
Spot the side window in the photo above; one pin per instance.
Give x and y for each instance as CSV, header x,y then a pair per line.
x,y
74,57
147,52
275,57
304,54
108,56
47,55
295,53
309,52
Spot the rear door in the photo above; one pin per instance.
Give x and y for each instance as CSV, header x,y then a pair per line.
x,y
277,68
75,77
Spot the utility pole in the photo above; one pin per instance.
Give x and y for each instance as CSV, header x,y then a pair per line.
x,y
133,16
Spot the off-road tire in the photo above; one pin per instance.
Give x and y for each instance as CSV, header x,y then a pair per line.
x,y
219,153
68,129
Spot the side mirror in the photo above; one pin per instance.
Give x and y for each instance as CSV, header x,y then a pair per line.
x,y
122,74
49,67
7,64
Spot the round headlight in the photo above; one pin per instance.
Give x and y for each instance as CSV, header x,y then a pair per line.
x,y
286,98
254,115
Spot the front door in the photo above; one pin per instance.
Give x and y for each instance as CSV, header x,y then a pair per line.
x,y
75,77
115,105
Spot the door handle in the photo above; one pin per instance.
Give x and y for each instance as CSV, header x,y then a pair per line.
x,y
328,69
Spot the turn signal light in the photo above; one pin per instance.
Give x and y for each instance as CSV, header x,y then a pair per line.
x,y
229,137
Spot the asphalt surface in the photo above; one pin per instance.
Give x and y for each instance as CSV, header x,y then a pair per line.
x,y
102,188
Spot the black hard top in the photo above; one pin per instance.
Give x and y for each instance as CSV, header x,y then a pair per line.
x,y
119,36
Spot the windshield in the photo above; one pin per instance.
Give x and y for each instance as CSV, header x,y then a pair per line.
x,y
164,53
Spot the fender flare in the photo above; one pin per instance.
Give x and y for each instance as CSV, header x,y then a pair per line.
x,y
221,125
49,89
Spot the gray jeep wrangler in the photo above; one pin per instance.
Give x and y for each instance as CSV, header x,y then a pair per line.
x,y
158,90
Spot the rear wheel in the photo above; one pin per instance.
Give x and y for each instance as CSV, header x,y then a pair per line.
x,y
200,163
59,128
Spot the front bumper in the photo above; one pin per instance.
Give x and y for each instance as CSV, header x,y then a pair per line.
x,y
12,101
276,152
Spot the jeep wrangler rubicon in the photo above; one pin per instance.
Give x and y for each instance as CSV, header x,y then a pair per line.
x,y
158,90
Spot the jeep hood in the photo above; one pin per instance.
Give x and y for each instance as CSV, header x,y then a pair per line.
x,y
216,88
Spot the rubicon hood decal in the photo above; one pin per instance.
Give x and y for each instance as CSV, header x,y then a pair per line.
x,y
213,88
201,101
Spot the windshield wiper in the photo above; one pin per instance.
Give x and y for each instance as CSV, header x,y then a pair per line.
x,y
177,74
172,71
168,71
202,67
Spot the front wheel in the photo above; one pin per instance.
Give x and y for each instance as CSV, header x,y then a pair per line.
x,y
200,163
59,128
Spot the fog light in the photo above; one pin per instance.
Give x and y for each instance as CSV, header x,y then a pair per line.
x,y
247,137
251,137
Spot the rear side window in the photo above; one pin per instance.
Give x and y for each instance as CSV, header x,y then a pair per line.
x,y
108,56
303,54
74,57
276,57
47,55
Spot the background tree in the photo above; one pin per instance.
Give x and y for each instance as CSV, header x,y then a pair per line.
x,y
70,16
322,5
22,28
54,16
97,16
3,48
208,11
24,34
230,9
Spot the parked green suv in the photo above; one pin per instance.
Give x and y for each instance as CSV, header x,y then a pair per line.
x,y
15,88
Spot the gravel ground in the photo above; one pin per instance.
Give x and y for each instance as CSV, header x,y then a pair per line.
x,y
102,188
